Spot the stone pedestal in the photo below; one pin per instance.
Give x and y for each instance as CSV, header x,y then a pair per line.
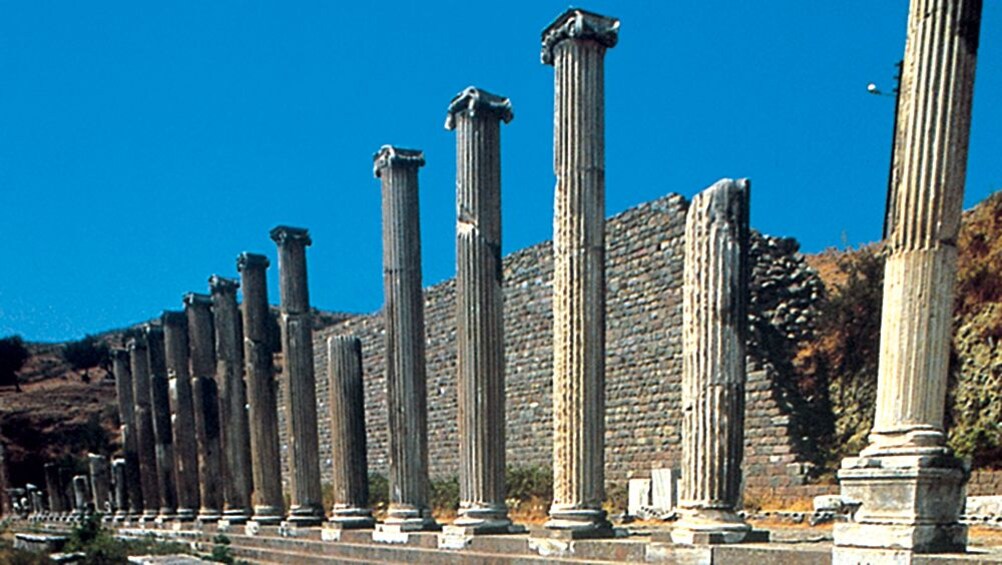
x,y
347,406
205,399
100,480
306,502
139,362
714,332
57,505
406,386
127,416
119,495
476,116
162,433
82,497
575,45
232,400
262,402
175,326
907,483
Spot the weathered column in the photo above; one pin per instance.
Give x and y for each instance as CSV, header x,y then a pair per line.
x,y
232,400
476,117
175,326
162,433
205,399
261,396
34,501
575,44
127,415
347,407
908,484
81,496
57,504
306,504
120,494
100,480
139,361
714,331
405,361
5,507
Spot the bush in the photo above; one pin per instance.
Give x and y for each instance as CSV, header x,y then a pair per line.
x,y
444,495
13,355
86,354
101,547
529,483
379,492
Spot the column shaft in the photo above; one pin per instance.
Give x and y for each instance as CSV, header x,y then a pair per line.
x,y
162,433
100,480
205,398
306,504
53,490
347,410
120,494
127,415
182,414
261,391
139,361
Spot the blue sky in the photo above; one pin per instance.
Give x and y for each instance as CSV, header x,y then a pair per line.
x,y
144,145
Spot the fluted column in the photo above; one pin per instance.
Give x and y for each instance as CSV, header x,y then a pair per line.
x,y
127,416
237,482
100,480
347,407
575,44
714,331
476,117
306,503
205,398
405,360
120,496
139,362
261,391
182,409
162,433
57,504
930,162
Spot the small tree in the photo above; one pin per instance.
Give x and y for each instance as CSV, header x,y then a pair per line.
x,y
13,355
86,354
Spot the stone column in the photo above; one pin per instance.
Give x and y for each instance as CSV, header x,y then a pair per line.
x,y
575,44
205,399
100,480
81,496
306,504
162,433
714,331
120,494
139,361
127,415
232,400
405,361
476,117
5,508
175,326
347,405
53,490
261,396
909,485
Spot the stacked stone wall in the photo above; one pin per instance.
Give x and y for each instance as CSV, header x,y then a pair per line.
x,y
644,310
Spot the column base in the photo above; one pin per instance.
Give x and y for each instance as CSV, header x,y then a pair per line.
x,y
475,519
903,502
208,516
351,519
575,522
704,526
236,517
185,515
305,516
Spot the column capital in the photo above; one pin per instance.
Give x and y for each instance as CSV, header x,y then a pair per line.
x,y
173,318
223,285
153,329
196,299
579,24
390,156
474,100
136,342
248,260
120,354
283,235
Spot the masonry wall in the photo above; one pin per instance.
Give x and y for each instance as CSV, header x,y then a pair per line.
x,y
644,305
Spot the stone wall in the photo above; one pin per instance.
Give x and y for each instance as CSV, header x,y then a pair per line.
x,y
644,305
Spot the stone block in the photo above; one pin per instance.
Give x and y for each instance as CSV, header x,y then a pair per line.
x,y
664,489
639,496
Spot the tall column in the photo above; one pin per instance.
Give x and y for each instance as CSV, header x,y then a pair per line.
x,y
100,481
714,331
139,361
127,415
182,410
909,485
261,396
81,496
405,361
575,44
306,504
232,399
205,399
120,495
53,489
476,117
5,508
162,433
347,406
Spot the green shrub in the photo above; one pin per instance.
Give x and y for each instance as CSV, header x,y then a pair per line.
x,y
529,483
379,491
444,495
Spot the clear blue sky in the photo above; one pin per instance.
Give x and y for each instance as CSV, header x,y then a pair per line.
x,y
144,145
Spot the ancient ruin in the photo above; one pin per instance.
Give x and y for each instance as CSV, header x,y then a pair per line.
x,y
163,434
182,410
